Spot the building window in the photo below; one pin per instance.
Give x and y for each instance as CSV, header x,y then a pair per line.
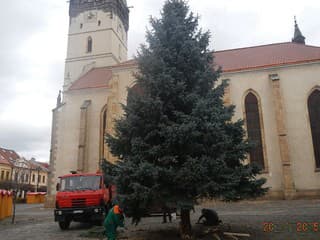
x,y
2,175
81,25
43,179
7,175
254,131
99,23
314,115
33,177
27,177
89,45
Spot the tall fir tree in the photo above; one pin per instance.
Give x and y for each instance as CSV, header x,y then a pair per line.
x,y
177,142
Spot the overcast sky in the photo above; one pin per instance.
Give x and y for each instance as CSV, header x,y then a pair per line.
x,y
34,40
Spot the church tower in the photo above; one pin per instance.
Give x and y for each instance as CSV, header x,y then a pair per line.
x,y
97,36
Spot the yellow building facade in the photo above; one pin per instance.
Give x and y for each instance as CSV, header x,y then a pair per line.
x,y
5,172
30,174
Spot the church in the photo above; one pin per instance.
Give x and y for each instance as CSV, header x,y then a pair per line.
x,y
275,88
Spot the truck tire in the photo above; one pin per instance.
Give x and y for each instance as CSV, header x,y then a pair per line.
x,y
64,225
98,223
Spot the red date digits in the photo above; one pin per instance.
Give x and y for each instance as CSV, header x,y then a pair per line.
x,y
268,227
302,227
307,227
315,227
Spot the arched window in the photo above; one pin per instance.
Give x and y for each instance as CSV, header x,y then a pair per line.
x,y
314,115
103,131
89,45
254,130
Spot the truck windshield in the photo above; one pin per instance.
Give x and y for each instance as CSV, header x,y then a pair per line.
x,y
77,183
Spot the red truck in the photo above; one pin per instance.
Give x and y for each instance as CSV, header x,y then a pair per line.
x,y
82,198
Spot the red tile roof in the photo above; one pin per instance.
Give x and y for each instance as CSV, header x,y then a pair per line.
x,y
46,165
4,160
95,78
232,60
266,56
7,155
35,165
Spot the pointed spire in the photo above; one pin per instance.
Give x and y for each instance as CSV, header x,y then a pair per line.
x,y
298,37
59,99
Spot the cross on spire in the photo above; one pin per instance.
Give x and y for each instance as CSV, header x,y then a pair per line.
x,y
298,37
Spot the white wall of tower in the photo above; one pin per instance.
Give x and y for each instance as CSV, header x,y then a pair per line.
x,y
109,43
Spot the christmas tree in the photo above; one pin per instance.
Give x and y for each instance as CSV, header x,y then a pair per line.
x,y
177,141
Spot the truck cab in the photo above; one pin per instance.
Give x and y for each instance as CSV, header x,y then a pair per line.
x,y
82,198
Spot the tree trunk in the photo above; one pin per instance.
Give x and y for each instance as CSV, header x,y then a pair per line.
x,y
185,225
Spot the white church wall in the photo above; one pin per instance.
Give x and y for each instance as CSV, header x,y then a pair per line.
x,y
109,43
297,83
69,129
258,81
126,77
90,24
78,44
67,138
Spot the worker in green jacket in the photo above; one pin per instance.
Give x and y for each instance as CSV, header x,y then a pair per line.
x,y
114,219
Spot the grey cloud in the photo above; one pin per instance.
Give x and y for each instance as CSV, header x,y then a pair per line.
x,y
223,24
309,24
20,19
25,140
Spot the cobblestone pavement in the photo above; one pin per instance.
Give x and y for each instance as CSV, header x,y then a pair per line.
x,y
263,220
274,220
33,222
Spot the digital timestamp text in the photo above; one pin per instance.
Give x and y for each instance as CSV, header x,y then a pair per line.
x,y
295,227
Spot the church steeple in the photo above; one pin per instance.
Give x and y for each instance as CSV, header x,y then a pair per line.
x,y
118,7
298,37
98,36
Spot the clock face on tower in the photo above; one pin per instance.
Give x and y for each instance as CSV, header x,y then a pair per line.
x,y
118,7
91,16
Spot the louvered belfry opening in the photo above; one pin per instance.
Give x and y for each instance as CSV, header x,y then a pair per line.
x,y
254,129
89,45
314,115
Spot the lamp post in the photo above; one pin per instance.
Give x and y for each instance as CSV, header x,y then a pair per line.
x,y
37,186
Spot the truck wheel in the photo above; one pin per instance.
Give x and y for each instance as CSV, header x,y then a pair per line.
x,y
64,225
98,222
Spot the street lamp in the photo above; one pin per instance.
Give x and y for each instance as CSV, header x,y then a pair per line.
x,y
38,169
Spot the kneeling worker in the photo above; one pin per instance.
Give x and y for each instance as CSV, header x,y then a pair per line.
x,y
114,219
